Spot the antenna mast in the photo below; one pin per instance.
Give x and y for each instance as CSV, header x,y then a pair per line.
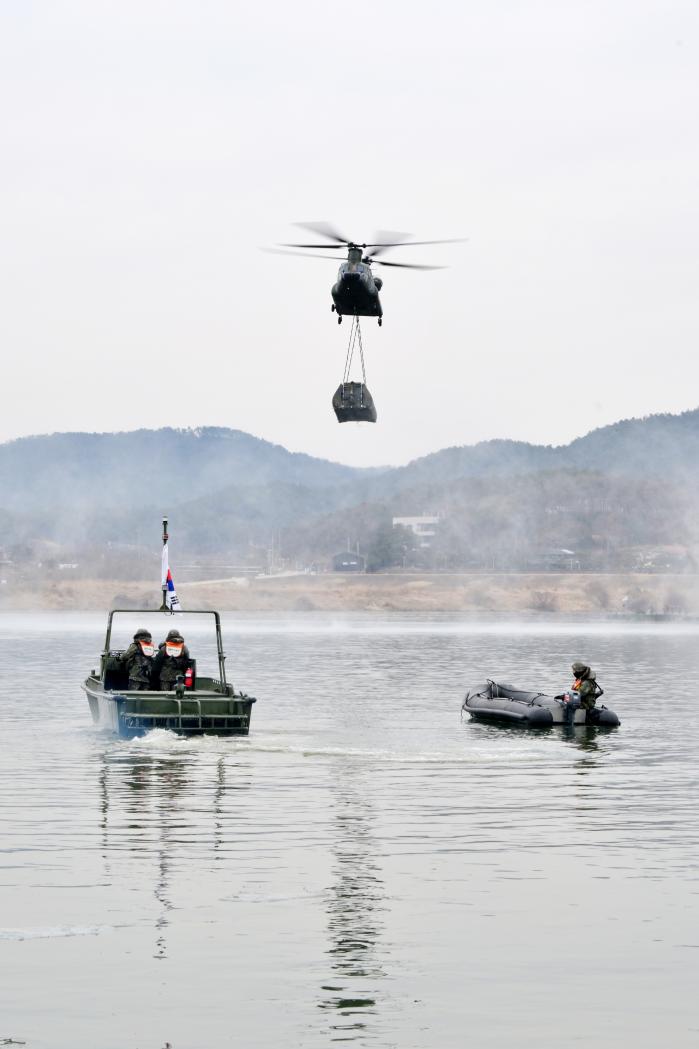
x,y
164,607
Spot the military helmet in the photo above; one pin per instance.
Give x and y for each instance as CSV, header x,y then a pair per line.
x,y
176,636
142,634
579,668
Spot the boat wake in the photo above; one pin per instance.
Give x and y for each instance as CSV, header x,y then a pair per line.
x,y
50,932
162,743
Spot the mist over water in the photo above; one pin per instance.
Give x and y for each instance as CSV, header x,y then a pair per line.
x,y
365,866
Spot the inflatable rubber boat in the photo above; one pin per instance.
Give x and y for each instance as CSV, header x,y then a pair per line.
x,y
504,703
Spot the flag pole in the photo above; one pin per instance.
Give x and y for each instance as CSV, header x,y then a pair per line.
x,y
164,607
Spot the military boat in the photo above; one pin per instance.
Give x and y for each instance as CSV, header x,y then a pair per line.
x,y
510,705
196,706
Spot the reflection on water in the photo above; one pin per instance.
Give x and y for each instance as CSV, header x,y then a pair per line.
x,y
219,792
355,901
584,737
365,866
145,809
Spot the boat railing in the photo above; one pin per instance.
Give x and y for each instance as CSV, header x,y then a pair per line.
x,y
183,723
159,612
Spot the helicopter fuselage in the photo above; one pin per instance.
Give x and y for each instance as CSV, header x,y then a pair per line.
x,y
356,291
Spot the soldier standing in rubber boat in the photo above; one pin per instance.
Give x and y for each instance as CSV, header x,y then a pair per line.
x,y
583,693
172,660
138,660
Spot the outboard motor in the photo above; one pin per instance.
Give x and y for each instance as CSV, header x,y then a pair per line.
x,y
353,403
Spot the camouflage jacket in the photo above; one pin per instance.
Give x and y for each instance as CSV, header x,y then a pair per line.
x,y
587,690
138,665
166,668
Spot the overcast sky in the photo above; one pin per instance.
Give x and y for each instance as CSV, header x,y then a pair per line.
x,y
148,149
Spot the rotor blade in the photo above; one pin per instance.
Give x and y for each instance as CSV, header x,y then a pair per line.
x,y
416,243
329,258
301,254
386,238
409,266
327,247
325,230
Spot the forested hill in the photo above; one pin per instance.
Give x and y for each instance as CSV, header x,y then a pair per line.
x,y
117,470
629,484
141,466
661,445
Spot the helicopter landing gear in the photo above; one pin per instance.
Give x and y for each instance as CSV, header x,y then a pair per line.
x,y
380,321
339,318
332,308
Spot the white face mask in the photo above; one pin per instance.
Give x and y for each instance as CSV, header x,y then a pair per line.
x,y
147,648
173,649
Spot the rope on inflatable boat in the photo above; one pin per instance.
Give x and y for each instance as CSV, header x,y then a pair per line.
x,y
522,691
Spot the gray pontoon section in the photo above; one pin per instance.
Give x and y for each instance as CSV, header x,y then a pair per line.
x,y
352,402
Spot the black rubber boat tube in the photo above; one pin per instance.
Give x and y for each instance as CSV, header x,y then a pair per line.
x,y
534,717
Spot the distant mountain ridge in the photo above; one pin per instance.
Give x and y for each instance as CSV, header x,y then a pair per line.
x,y
214,458
148,466
659,445
224,488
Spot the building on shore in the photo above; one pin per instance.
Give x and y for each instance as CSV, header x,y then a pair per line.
x,y
424,528
349,562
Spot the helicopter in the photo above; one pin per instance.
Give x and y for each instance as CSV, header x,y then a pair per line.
x,y
356,291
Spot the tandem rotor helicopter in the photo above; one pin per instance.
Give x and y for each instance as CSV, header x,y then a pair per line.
x,y
356,291
356,294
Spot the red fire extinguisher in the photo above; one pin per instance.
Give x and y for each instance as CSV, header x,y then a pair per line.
x,y
188,678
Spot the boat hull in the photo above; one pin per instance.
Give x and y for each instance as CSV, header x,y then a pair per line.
x,y
508,705
131,714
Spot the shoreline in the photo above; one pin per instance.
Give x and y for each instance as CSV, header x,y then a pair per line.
x,y
632,595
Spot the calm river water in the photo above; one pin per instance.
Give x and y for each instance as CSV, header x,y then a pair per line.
x,y
365,867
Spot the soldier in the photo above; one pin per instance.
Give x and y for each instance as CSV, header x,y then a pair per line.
x,y
171,660
583,693
138,660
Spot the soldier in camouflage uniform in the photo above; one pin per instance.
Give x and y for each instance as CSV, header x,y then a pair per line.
x,y
138,660
172,659
583,693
